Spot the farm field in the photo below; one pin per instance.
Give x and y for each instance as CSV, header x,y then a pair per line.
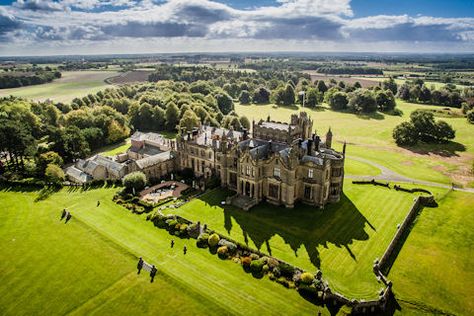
x,y
370,137
88,266
72,84
433,273
342,241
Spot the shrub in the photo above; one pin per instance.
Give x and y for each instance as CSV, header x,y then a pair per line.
x,y
307,278
222,252
256,266
230,245
283,281
286,270
171,223
246,261
54,174
213,240
254,256
272,263
265,268
201,241
134,180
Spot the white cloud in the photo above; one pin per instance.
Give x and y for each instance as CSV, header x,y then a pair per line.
x,y
321,24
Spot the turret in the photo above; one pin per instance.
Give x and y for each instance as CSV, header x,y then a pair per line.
x,y
329,138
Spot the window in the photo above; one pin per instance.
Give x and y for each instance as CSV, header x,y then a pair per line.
x,y
248,170
210,155
307,192
334,189
253,172
273,191
336,172
276,172
310,173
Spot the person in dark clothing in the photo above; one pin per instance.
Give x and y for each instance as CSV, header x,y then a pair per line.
x,y
98,203
172,243
68,217
185,250
153,273
63,214
140,265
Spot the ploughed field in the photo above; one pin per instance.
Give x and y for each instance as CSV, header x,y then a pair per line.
x,y
89,264
72,84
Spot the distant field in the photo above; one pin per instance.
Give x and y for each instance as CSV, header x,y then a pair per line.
x,y
370,137
88,266
350,79
72,84
131,77
343,240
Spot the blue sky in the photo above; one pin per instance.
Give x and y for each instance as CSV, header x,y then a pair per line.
x,y
145,26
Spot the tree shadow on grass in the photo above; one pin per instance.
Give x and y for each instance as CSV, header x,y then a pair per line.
x,y
338,224
46,192
371,116
449,149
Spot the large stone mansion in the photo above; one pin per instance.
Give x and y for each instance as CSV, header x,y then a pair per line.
x,y
281,163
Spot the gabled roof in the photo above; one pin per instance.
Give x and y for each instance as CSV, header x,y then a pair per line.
x,y
153,160
77,175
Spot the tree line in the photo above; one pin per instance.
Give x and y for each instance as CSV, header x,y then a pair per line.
x,y
22,79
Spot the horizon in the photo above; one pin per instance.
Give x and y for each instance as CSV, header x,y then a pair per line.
x,y
98,27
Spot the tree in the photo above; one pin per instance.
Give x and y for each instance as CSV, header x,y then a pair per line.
x,y
244,122
225,103
362,100
338,101
321,86
189,120
172,116
405,134
385,100
391,85
470,116
116,132
312,98
244,97
288,97
134,181
404,92
47,158
54,174
261,95
425,95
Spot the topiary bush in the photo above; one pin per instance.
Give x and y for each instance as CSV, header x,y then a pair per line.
x,y
256,266
213,240
254,256
286,270
222,252
201,241
307,278
230,245
246,261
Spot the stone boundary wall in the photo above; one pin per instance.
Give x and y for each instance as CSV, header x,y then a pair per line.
x,y
329,298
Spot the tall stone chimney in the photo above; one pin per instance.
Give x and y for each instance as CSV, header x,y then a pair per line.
x,y
329,138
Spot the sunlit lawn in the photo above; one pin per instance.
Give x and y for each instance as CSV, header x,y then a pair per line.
x,y
342,241
88,266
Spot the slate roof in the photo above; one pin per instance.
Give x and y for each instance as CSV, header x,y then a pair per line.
x,y
77,175
153,160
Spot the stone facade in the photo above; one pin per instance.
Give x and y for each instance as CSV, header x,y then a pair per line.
x,y
281,163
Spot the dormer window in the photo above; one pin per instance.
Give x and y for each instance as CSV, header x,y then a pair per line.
x,y
310,173
276,172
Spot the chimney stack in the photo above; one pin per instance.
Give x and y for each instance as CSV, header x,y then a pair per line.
x,y
309,146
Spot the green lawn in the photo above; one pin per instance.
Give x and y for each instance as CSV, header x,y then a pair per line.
x,y
433,273
370,137
358,168
88,265
342,241
116,149
72,84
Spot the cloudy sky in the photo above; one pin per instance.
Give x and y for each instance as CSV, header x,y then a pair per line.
x,y
45,27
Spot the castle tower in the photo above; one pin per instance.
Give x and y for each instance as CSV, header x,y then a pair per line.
x,y
329,138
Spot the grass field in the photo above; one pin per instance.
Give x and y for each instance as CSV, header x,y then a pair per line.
x,y
433,273
342,241
88,266
72,84
370,137
116,149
